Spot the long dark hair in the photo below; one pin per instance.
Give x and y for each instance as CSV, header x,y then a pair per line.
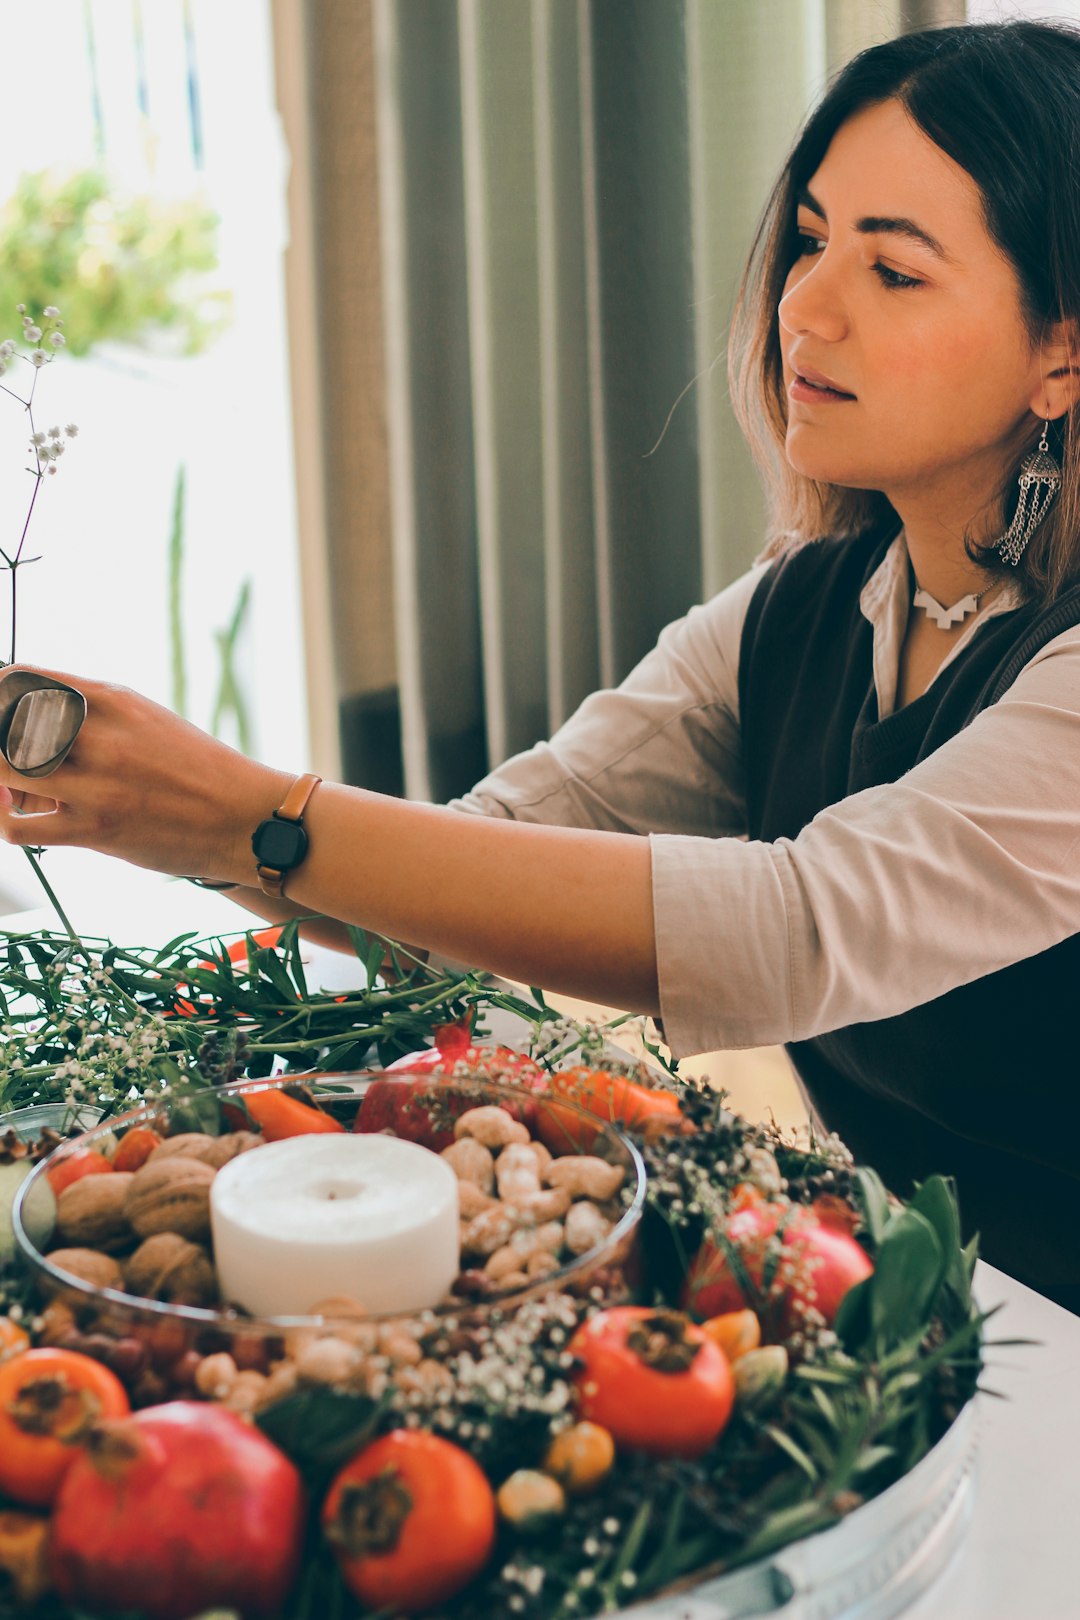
x,y
1003,101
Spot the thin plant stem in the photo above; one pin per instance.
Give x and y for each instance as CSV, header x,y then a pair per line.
x,y
51,892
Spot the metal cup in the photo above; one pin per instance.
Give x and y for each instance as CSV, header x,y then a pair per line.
x,y
39,720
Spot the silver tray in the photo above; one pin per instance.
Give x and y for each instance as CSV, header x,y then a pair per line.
x,y
870,1566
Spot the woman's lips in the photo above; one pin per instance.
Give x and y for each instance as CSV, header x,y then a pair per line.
x,y
814,393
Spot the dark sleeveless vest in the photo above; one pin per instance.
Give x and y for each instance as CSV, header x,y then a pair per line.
x,y
983,1082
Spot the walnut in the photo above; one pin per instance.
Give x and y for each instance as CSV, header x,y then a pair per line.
x,y
91,1213
89,1265
170,1268
170,1196
212,1150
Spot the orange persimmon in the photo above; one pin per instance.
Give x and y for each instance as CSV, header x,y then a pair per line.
x,y
280,1116
613,1098
49,1401
135,1148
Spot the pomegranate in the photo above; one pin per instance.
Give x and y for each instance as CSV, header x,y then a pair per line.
x,y
176,1509
816,1267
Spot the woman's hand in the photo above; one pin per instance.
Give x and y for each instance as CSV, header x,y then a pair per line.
x,y
142,784
567,908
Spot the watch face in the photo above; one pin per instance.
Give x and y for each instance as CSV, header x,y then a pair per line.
x,y
280,844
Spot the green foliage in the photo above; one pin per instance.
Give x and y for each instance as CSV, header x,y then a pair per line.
x,y
117,266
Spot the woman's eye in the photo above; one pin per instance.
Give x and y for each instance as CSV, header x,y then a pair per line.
x,y
894,278
806,243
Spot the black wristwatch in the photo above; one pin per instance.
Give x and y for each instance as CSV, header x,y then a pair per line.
x,y
281,842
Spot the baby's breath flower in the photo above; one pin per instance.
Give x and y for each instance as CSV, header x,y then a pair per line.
x,y
7,349
32,333
21,308
57,340
38,440
50,312
72,430
39,358
54,433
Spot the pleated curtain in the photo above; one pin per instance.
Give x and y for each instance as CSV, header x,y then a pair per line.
x,y
541,467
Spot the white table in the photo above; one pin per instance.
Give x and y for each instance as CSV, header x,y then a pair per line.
x,y
1021,1558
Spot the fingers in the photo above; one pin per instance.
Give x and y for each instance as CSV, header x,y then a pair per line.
x,y
47,823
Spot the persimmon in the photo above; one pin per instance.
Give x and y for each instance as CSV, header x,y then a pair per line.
x,y
73,1166
613,1098
49,1401
653,1379
412,1521
280,1116
734,1332
136,1147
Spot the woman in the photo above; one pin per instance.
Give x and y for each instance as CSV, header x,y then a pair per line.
x,y
891,711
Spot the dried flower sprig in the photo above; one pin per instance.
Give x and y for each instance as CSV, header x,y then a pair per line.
x,y
46,448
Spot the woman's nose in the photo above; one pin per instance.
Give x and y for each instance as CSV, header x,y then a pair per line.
x,y
812,304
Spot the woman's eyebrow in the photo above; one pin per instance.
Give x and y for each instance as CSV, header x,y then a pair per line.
x,y
881,224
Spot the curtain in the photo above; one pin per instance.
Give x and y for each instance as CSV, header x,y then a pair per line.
x,y
530,457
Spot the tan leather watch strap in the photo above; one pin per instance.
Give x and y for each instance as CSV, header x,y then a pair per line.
x,y
292,807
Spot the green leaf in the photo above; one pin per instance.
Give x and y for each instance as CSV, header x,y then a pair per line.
x,y
795,1452
906,1277
936,1200
320,1426
870,1190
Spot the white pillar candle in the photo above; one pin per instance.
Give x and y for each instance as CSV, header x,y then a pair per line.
x,y
372,1217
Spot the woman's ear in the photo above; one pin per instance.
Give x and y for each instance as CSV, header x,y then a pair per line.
x,y
1059,384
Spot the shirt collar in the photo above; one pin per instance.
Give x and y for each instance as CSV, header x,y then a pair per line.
x,y
885,601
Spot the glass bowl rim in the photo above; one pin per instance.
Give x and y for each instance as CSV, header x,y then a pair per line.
x,y
233,1322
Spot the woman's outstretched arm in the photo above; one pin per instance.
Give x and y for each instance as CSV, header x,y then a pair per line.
x,y
564,907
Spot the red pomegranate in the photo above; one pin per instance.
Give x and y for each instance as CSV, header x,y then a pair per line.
x,y
176,1509
815,1268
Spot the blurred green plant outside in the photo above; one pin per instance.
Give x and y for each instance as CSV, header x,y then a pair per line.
x,y
118,266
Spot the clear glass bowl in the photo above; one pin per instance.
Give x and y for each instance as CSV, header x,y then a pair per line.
x,y
162,1336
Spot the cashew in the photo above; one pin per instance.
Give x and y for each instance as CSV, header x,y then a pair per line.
x,y
541,1264
246,1393
216,1375
517,1171
503,1262
514,1279
491,1125
328,1361
585,1227
585,1176
550,1236
489,1231
399,1346
472,1202
550,1204
471,1162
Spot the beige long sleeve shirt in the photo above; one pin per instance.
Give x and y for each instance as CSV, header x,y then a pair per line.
x,y
887,899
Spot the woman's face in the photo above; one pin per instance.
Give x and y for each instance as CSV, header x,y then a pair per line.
x,y
900,297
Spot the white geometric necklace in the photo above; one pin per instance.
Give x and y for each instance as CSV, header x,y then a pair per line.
x,y
946,617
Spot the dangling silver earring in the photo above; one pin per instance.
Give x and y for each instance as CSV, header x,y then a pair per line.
x,y
1040,480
